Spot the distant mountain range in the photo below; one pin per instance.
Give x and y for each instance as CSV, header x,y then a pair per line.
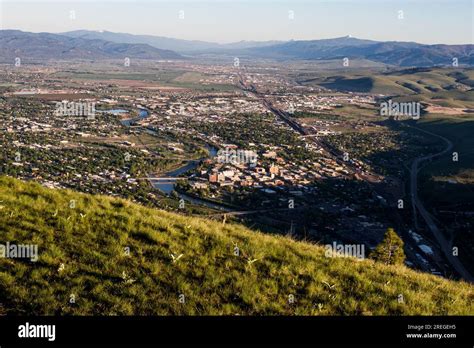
x,y
392,52
46,46
87,44
178,45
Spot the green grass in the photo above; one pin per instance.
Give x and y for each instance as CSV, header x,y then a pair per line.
x,y
449,87
212,278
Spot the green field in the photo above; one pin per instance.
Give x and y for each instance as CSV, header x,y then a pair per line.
x,y
447,87
82,252
163,77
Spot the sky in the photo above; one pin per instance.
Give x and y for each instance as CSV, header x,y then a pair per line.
x,y
423,21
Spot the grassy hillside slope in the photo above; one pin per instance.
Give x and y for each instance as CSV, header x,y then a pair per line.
x,y
448,87
90,238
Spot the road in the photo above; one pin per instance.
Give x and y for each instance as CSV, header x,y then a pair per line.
x,y
443,243
335,154
369,177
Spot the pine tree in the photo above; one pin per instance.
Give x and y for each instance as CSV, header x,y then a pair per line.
x,y
390,250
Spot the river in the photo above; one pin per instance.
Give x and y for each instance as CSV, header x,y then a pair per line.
x,y
141,115
167,186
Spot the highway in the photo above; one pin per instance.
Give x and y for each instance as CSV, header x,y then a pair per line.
x,y
443,243
334,153
445,246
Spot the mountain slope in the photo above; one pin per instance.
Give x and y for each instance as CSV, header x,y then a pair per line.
x,y
179,45
393,53
86,44
155,41
90,239
31,46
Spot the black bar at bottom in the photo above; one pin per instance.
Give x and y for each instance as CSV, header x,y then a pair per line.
x,y
243,330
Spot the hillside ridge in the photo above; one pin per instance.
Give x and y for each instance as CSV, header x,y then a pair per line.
x,y
114,257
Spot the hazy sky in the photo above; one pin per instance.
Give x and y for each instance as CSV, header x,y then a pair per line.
x,y
425,21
